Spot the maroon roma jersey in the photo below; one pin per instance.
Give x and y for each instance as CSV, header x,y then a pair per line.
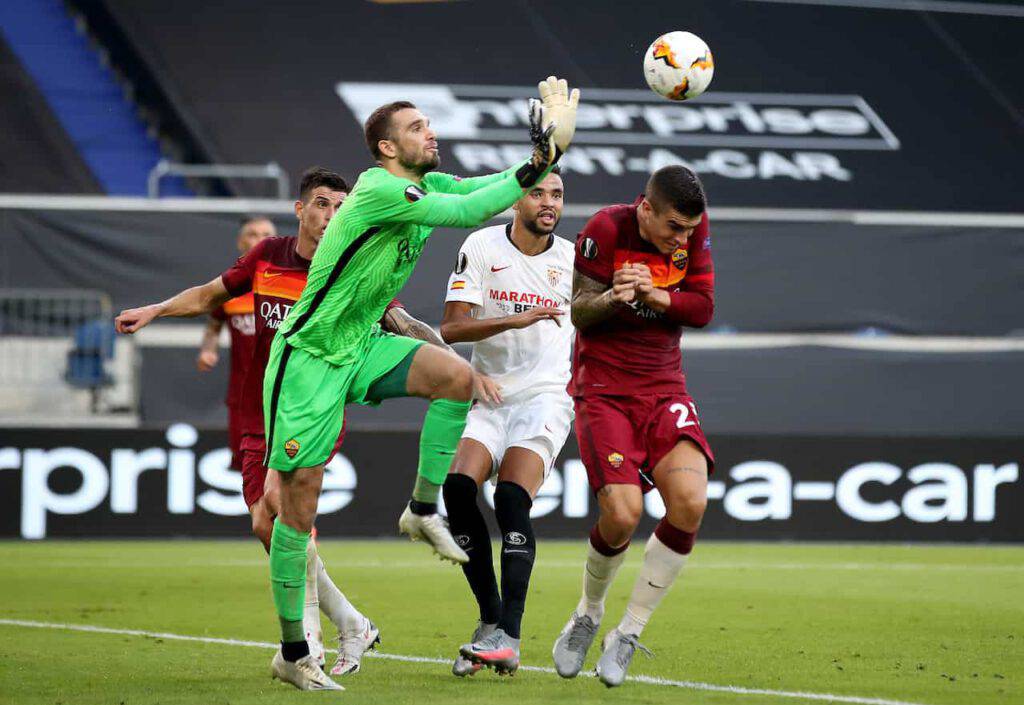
x,y
238,314
636,350
276,275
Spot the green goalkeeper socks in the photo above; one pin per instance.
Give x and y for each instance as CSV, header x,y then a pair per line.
x,y
442,428
288,578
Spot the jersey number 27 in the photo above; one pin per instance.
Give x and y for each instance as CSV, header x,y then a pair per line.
x,y
684,414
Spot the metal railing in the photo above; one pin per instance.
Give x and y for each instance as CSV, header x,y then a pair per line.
x,y
59,357
271,171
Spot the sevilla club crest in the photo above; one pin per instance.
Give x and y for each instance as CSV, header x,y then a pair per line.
x,y
554,276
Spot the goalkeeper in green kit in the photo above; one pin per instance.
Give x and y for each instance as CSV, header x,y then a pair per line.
x,y
330,351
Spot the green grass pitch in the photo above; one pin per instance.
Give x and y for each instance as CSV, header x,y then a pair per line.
x,y
934,625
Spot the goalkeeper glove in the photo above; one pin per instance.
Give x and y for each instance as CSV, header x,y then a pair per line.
x,y
560,110
545,153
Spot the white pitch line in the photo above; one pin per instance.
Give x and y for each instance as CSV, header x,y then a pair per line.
x,y
648,680
426,564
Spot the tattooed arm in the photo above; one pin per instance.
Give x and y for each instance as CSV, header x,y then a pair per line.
x,y
593,302
397,320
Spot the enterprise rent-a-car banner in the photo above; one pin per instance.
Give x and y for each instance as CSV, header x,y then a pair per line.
x,y
176,481
737,136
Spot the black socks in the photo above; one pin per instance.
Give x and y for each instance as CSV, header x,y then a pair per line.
x,y
470,531
422,508
294,650
518,549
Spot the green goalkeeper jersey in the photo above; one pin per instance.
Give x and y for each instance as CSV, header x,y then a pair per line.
x,y
371,246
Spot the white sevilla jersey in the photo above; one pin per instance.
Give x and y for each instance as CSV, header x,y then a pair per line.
x,y
499,280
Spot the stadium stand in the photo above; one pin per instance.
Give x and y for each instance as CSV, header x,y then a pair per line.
x,y
83,93
896,118
36,154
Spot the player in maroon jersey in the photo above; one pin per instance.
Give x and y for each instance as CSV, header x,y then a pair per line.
x,y
275,272
238,314
643,271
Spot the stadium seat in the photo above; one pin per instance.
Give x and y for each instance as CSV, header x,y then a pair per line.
x,y
94,345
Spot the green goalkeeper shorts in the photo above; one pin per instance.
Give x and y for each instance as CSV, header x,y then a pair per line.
x,y
304,396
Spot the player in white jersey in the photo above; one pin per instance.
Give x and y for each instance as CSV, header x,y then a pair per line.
x,y
509,295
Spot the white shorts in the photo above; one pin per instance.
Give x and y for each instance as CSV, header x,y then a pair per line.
x,y
540,424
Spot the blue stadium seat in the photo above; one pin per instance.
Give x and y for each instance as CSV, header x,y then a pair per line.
x,y
94,345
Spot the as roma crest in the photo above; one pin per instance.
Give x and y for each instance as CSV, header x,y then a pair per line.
x,y
680,258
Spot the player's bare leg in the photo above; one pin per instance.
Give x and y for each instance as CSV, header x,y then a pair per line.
x,y
262,522
519,478
620,508
299,493
470,468
682,479
437,374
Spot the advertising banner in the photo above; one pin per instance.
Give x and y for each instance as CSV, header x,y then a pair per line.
x,y
175,481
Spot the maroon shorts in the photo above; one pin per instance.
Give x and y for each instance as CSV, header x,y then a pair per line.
x,y
235,436
254,472
622,439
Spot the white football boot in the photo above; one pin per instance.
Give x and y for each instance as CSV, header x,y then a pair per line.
x,y
351,647
433,530
304,674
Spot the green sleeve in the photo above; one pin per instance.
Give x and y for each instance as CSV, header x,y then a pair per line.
x,y
394,200
446,183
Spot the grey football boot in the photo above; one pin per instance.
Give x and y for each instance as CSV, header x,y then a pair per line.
x,y
497,650
570,650
463,666
618,653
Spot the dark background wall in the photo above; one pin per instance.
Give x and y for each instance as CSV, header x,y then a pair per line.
x,y
943,85
770,276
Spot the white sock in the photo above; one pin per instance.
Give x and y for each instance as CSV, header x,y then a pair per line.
x,y
659,570
311,610
334,603
598,575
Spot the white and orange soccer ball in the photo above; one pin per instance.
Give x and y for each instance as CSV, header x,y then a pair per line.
x,y
678,65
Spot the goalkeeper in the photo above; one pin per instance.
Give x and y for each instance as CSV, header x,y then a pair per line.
x,y
331,348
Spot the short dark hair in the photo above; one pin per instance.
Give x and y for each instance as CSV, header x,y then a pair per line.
x,y
378,125
678,187
556,169
252,218
319,176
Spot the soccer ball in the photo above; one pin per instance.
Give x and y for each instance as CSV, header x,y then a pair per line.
x,y
678,65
